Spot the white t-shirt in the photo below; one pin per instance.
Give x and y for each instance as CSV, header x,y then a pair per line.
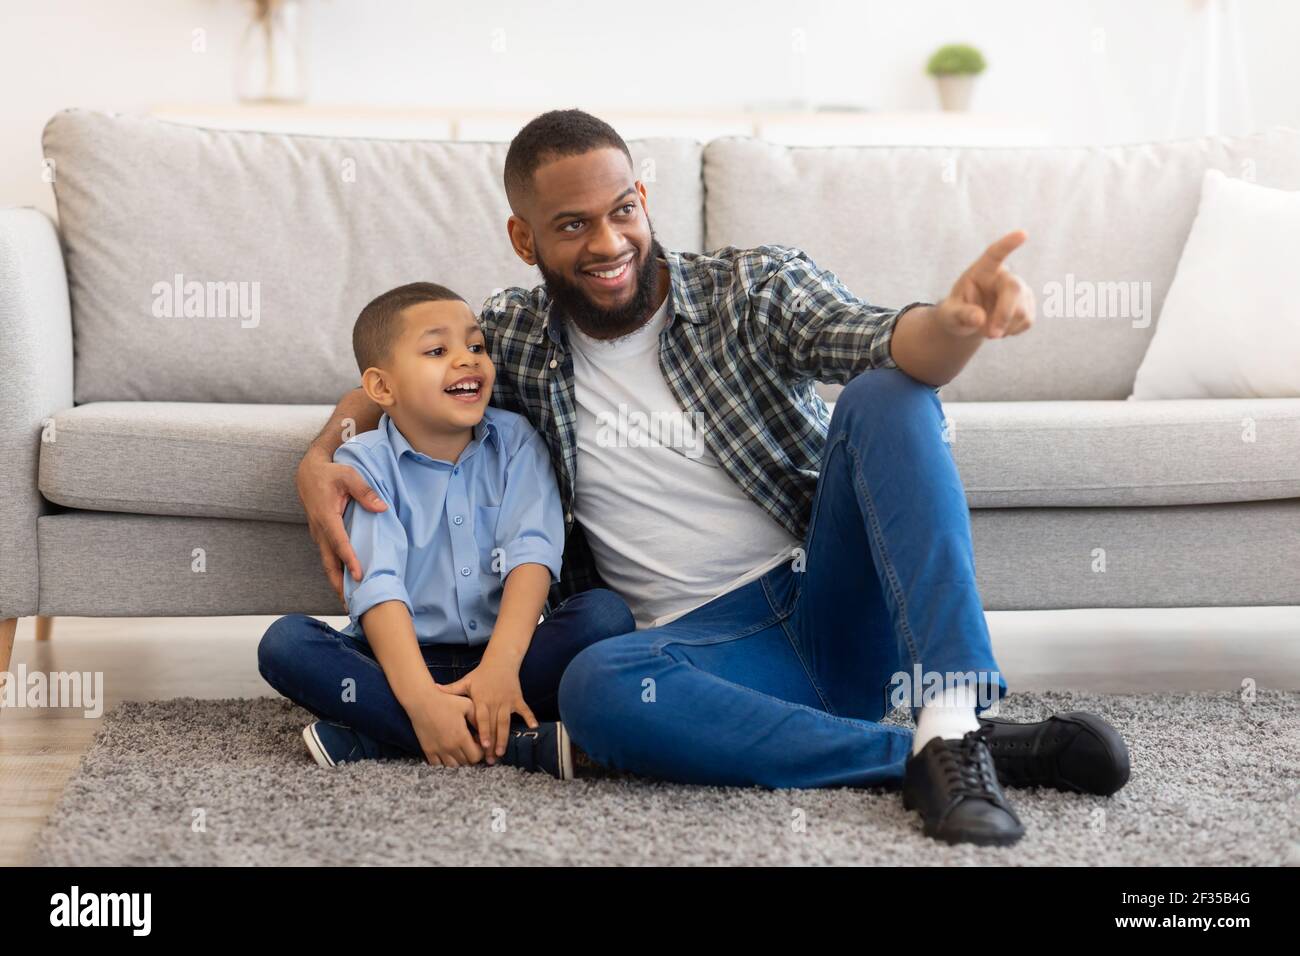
x,y
668,528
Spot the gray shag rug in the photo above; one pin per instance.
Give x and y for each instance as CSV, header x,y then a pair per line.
x,y
1216,781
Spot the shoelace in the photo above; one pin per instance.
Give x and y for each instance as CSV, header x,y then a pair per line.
x,y
968,768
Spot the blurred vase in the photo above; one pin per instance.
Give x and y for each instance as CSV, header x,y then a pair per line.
x,y
271,66
955,91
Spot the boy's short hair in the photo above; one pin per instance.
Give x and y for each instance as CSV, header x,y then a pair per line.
x,y
380,323
554,135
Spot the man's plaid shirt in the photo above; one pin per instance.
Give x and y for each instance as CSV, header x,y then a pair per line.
x,y
749,332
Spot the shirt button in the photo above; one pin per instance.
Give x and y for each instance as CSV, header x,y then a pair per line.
x,y
455,471
568,516
473,625
464,572
458,520
554,364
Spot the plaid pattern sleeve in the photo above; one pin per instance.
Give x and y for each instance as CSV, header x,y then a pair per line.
x,y
817,328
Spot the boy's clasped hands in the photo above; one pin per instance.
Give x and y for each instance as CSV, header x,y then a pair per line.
x,y
486,698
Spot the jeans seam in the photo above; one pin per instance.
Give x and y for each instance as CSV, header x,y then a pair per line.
x,y
812,681
888,566
779,617
751,629
851,721
788,631
340,638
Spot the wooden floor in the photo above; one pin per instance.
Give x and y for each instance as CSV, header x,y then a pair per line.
x,y
1115,651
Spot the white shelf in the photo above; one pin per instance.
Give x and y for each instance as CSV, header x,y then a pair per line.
x,y
810,128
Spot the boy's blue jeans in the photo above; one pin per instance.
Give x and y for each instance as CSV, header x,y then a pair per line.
x,y
311,663
782,682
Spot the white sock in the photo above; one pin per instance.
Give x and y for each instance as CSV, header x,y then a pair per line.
x,y
951,717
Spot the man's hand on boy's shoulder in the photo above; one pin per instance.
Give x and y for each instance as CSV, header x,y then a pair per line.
x,y
326,487
493,688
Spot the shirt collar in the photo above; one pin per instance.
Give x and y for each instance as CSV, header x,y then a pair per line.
x,y
683,305
692,309
486,428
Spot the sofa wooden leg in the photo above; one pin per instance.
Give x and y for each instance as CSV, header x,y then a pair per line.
x,y
7,628
44,627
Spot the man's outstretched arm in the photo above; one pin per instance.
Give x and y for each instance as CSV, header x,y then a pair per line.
x,y
933,343
326,487
820,330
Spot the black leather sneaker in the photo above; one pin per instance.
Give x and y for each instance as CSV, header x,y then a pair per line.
x,y
1078,752
954,786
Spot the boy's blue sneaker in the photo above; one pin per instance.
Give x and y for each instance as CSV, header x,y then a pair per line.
x,y
332,744
547,749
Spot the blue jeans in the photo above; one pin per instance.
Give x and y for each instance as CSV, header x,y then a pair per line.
x,y
783,682
309,662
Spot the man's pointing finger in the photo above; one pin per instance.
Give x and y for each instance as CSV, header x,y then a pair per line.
x,y
993,256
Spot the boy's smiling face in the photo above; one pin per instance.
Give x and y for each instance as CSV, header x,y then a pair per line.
x,y
438,374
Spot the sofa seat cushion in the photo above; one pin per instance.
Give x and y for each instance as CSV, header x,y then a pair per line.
x,y
1097,453
180,458
238,461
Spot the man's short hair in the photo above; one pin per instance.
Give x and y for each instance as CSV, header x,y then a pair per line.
x,y
380,322
554,135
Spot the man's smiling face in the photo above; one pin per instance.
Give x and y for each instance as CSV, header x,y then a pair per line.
x,y
584,224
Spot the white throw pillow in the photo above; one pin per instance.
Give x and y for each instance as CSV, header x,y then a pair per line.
x,y
1230,325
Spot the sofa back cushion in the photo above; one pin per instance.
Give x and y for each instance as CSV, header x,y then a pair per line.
x,y
1106,228
218,266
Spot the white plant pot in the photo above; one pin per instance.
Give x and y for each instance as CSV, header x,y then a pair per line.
x,y
955,91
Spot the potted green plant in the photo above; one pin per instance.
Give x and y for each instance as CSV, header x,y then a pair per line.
x,y
954,68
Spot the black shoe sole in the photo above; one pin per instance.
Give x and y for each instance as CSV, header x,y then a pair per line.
x,y
953,839
1101,773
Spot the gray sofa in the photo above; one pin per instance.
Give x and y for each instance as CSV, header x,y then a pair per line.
x,y
150,437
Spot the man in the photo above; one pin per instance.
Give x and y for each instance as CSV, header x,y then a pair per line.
x,y
792,572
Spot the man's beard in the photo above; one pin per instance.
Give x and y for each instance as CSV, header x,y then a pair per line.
x,y
602,323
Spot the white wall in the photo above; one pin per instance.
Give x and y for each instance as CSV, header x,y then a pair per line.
x,y
1045,68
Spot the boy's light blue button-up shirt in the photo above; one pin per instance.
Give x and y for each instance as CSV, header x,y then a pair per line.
x,y
451,532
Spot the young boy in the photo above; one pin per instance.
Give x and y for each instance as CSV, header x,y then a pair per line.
x,y
443,647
